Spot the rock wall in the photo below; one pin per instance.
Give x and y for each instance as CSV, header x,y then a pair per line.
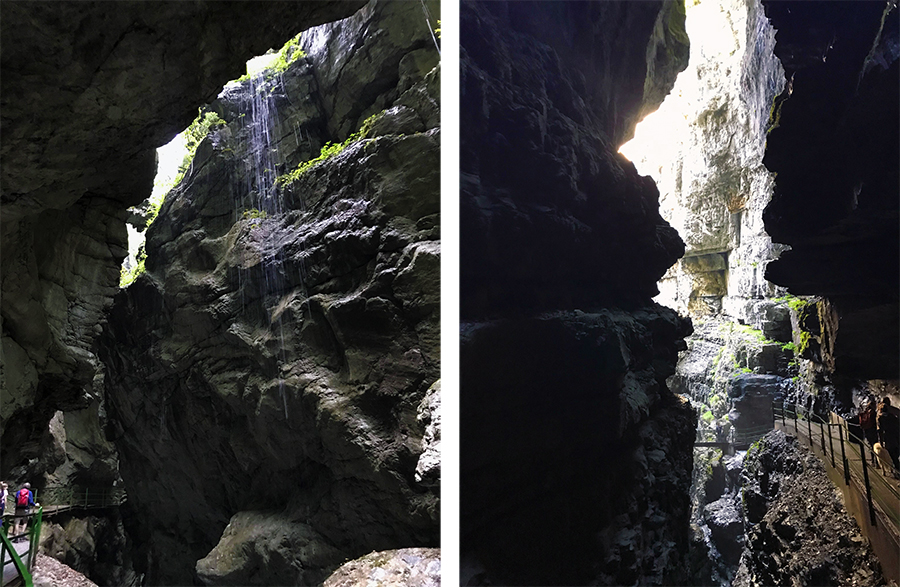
x,y
88,92
835,151
575,456
270,368
95,545
797,529
704,147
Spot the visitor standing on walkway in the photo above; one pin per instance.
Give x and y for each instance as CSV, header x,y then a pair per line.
x,y
889,430
24,503
4,494
868,422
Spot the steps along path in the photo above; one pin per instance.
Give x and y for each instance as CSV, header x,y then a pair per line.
x,y
17,553
871,493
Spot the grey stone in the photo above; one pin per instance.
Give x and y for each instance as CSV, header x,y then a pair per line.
x,y
259,548
298,346
798,531
407,567
726,526
428,469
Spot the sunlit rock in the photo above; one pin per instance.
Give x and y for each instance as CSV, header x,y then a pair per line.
x,y
407,567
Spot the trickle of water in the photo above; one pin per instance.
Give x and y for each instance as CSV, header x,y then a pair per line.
x,y
259,192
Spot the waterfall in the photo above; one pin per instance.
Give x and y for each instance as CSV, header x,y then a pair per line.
x,y
261,197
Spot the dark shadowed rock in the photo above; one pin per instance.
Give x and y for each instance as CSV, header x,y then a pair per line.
x,y
835,150
726,525
548,205
798,531
568,433
278,352
575,456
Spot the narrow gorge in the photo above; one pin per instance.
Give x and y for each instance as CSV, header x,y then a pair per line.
x,y
625,341
265,388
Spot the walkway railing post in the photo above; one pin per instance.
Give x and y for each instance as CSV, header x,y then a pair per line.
x,y
809,427
831,441
36,522
2,555
865,467
844,455
822,432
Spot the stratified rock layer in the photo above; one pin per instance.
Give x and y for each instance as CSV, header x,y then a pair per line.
x,y
798,531
270,367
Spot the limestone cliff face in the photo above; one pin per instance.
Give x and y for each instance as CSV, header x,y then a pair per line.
x,y
88,92
267,371
704,147
575,456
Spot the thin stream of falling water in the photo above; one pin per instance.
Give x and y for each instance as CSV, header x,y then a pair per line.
x,y
261,166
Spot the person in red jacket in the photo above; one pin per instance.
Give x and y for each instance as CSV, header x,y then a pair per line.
x,y
868,422
24,503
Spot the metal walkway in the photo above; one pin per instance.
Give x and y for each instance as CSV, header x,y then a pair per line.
x,y
17,552
871,493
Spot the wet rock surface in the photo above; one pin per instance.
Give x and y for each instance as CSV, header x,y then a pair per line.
x,y
407,567
798,531
277,353
88,92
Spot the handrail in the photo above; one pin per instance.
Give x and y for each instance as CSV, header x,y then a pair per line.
x,y
78,497
855,445
23,570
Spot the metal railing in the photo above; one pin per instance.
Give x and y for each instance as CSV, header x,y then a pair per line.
x,y
852,448
82,497
57,499
737,437
8,553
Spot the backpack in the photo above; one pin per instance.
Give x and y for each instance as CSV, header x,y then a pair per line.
x,y
22,497
866,421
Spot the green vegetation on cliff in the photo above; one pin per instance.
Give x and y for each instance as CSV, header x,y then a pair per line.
x,y
328,151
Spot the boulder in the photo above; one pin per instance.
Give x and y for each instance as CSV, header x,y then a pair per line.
x,y
260,548
406,567
726,525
